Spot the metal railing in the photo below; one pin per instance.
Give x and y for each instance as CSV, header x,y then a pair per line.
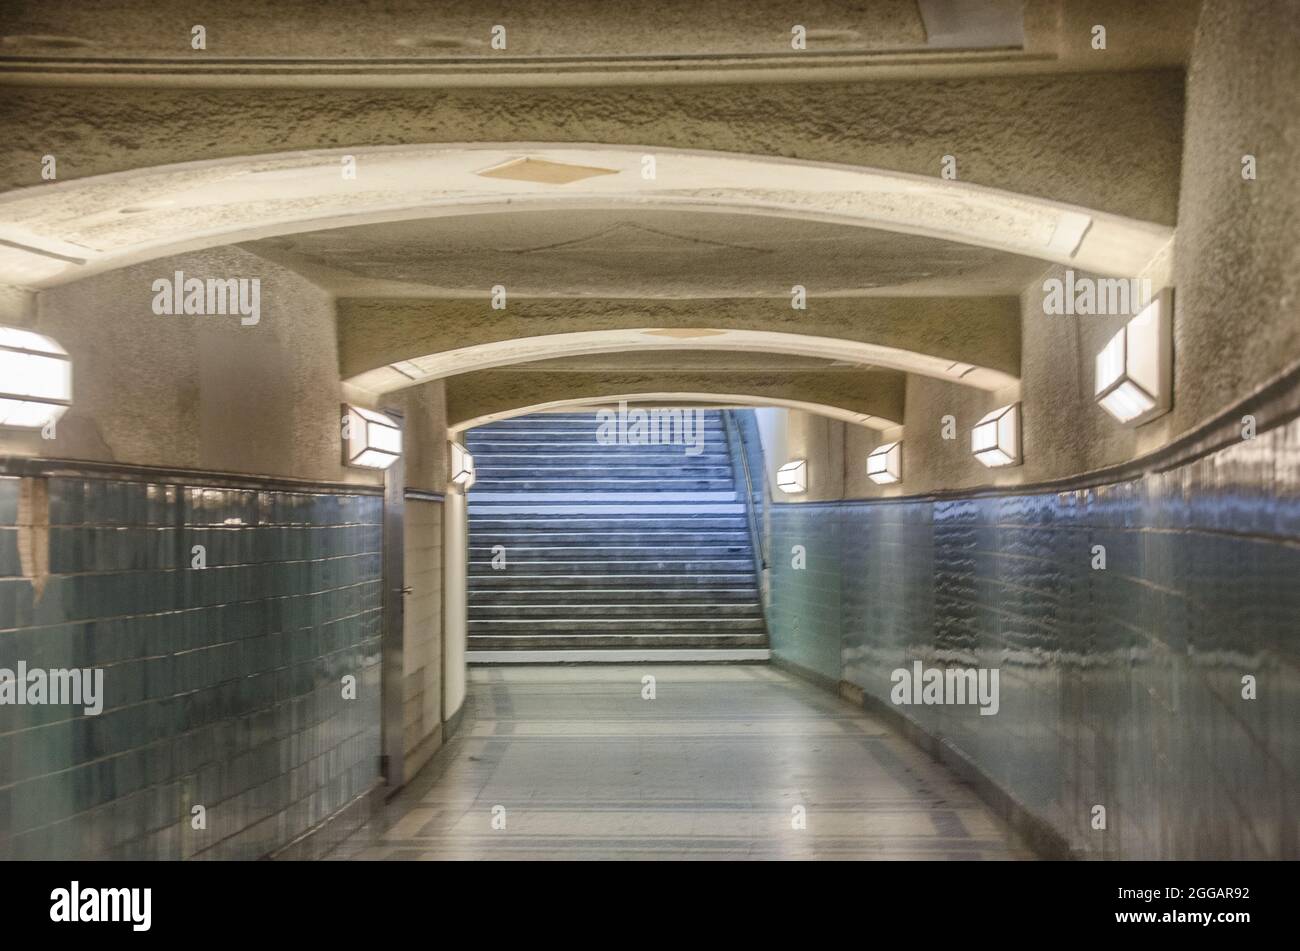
x,y
738,449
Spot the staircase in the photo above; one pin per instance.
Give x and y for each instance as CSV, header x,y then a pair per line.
x,y
629,548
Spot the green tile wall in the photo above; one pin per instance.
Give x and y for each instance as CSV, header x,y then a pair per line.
x,y
1119,687
222,684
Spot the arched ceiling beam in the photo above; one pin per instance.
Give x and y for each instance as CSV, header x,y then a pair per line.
x,y
63,231
406,373
386,344
870,397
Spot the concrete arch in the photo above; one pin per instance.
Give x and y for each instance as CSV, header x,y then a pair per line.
x,y
387,345
394,377
872,398
678,399
63,231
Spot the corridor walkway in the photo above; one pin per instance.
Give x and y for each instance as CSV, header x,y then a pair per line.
x,y
712,768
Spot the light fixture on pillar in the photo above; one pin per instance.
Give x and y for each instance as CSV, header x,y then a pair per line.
x,y
370,440
462,466
1133,369
35,379
995,440
793,476
885,463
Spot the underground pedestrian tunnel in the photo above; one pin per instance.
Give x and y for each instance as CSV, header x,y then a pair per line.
x,y
888,452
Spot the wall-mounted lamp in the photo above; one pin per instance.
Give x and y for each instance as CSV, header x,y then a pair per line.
x,y
370,440
885,463
793,476
35,379
1133,370
995,440
463,473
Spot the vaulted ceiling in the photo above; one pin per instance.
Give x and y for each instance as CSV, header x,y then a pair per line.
x,y
640,254
525,168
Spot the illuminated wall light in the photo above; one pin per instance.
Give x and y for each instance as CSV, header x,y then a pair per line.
x,y
793,476
995,440
462,466
1133,370
35,379
371,440
885,463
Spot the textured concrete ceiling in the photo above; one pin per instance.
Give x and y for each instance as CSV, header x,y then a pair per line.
x,y
1110,142
1042,129
410,40
462,28
641,254
872,397
386,344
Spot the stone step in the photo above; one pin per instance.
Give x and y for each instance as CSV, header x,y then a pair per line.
x,y
593,436
522,504
535,443
604,566
599,456
574,448
637,522
739,594
673,610
487,487
546,423
611,639
601,473
545,535
710,439
626,626
493,580
610,494
519,554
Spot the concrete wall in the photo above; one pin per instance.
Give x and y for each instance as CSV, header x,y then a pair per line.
x,y
1237,263
425,460
425,453
455,601
788,435
436,569
422,661
200,392
1064,432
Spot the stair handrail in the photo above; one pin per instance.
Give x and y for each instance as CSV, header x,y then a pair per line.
x,y
738,441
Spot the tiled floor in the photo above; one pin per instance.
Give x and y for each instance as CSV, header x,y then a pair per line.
x,y
579,766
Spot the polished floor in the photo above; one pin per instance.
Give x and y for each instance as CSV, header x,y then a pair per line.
x,y
723,763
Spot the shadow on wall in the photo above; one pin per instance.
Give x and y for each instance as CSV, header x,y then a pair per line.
x,y
1126,687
